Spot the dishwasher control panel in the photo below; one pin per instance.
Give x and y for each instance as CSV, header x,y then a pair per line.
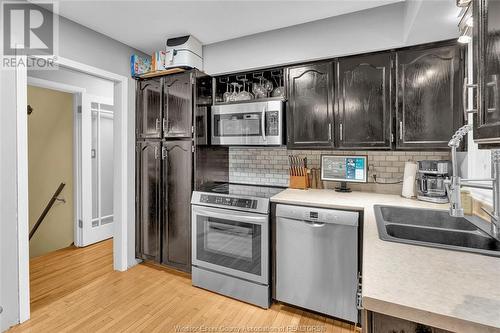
x,y
323,215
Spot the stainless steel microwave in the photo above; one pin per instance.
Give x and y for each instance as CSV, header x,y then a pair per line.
x,y
251,123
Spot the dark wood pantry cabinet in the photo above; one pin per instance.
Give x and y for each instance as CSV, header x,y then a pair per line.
x,y
310,106
176,173
428,96
177,103
486,45
363,98
149,113
164,167
148,169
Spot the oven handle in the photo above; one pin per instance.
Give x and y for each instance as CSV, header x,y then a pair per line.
x,y
263,123
260,219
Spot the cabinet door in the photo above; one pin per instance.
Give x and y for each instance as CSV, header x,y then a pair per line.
x,y
364,102
429,108
486,45
178,110
148,200
177,186
310,114
148,108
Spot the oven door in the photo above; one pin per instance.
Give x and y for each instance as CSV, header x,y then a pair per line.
x,y
250,123
231,242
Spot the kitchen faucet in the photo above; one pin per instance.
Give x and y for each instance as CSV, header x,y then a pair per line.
x,y
454,184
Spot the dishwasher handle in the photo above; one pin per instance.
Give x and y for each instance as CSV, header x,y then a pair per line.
x,y
315,224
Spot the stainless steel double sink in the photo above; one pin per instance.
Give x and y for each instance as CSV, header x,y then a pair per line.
x,y
435,228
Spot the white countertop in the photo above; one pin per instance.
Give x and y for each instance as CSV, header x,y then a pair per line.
x,y
452,290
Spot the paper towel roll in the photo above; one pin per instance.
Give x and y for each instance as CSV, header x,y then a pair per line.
x,y
409,180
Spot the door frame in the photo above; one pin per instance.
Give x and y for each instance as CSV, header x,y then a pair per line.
x,y
121,188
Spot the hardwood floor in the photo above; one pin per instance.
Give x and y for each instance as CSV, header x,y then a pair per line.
x,y
76,290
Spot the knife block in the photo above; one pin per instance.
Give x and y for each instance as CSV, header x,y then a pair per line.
x,y
299,182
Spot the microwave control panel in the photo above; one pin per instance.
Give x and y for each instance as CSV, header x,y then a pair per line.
x,y
272,123
228,201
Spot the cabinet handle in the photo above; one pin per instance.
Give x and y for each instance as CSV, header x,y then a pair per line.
x,y
163,153
164,123
494,85
341,132
156,153
263,123
157,124
329,132
401,130
465,90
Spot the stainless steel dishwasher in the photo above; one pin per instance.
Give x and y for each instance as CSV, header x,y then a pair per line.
x,y
317,259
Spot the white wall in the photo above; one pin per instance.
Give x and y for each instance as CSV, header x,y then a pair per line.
x,y
381,28
430,20
82,45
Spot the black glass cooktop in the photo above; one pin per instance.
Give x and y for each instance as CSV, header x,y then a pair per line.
x,y
240,189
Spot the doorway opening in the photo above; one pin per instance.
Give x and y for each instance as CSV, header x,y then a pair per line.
x,y
123,187
70,181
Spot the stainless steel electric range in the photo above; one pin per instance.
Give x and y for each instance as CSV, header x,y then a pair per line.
x,y
230,240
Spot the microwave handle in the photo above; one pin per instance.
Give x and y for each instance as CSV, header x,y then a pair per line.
x,y
263,123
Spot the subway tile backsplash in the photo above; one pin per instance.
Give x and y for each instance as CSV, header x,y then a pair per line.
x,y
269,166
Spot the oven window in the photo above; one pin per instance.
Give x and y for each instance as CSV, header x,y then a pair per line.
x,y
238,124
231,244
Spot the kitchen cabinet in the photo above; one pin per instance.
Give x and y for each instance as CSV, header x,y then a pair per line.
x,y
165,167
177,106
428,96
148,165
363,93
381,323
310,106
148,108
176,202
486,46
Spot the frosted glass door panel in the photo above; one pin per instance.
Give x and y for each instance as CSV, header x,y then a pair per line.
x,y
102,164
106,164
95,167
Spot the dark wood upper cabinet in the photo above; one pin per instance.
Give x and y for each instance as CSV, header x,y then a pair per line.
x,y
310,106
148,108
363,95
177,108
486,44
428,96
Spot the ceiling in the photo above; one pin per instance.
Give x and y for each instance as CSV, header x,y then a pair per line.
x,y
145,25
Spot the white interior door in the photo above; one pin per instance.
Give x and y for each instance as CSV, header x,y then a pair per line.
x,y
95,151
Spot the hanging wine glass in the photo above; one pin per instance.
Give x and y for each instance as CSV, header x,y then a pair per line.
x,y
268,87
258,88
227,95
232,98
279,91
244,95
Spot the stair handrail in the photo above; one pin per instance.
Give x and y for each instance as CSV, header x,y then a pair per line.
x,y
47,209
